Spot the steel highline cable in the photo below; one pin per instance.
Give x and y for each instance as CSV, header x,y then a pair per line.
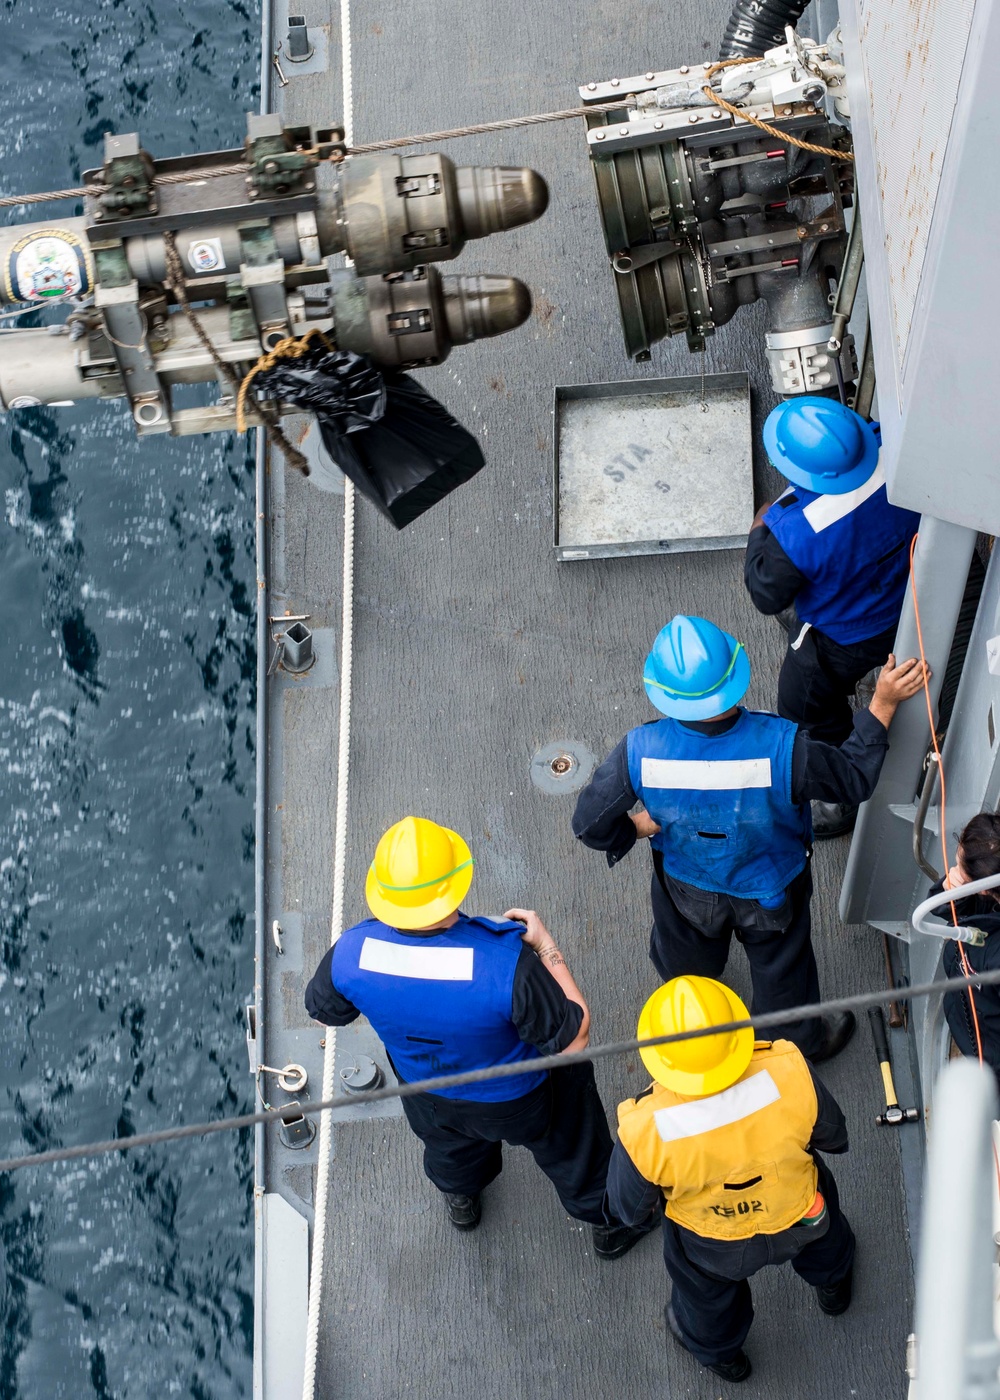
x,y
860,1001
12,201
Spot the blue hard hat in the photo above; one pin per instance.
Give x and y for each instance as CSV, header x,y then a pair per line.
x,y
821,444
695,670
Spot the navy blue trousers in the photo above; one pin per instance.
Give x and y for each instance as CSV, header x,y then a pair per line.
x,y
817,680
710,1296
562,1124
692,934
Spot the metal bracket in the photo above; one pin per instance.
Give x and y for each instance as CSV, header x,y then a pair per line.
x,y
727,274
127,178
756,243
282,159
414,186
126,329
643,255
263,275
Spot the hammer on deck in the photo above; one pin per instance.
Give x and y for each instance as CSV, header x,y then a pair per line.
x,y
893,1115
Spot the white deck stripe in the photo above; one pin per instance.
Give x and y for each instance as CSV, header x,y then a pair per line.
x,y
747,1097
429,964
706,774
827,510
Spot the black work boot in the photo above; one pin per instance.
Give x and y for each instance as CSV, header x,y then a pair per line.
x,y
836,1297
831,819
612,1241
837,1031
737,1369
464,1212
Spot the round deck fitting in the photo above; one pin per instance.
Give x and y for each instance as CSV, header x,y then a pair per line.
x,y
562,768
363,1074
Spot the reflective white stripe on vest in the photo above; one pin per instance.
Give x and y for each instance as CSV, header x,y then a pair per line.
x,y
827,510
430,964
706,774
719,1110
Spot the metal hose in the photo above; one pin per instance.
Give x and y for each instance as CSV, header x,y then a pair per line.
x,y
757,25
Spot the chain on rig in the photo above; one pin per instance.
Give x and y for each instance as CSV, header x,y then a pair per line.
x,y
704,212
259,232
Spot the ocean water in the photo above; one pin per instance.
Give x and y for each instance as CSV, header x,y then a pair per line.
x,y
126,761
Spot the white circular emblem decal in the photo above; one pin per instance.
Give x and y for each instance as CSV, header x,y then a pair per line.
x,y
206,255
47,265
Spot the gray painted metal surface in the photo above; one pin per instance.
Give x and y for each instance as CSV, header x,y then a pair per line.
x,y
475,648
652,466
921,94
883,882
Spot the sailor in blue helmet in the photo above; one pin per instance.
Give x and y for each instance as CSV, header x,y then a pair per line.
x,y
834,547
726,793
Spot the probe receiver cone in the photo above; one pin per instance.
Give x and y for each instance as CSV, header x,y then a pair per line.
x,y
478,307
492,198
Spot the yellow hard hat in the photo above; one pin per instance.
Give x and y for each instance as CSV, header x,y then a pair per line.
x,y
704,1065
420,874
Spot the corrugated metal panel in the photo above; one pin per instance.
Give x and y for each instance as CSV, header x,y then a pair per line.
x,y
913,52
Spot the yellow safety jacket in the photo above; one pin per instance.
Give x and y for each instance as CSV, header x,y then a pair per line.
x,y
733,1164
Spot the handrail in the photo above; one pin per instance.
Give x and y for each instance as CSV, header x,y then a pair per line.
x,y
932,768
918,918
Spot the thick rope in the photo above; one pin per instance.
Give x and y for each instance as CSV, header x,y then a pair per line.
x,y
288,349
176,281
783,136
325,1148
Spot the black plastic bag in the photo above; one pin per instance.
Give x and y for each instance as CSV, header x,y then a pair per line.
x,y
410,458
400,447
334,384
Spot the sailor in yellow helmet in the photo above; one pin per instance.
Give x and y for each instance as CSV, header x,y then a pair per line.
x,y
447,993
725,1145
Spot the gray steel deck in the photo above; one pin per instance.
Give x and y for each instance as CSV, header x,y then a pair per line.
x,y
473,649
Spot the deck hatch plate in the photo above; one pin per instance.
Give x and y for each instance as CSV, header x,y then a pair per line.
x,y
652,466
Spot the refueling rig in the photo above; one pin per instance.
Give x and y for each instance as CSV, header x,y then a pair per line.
x,y
257,232
704,212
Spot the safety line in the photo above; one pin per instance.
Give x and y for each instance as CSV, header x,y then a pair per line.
x,y
325,1147
327,1106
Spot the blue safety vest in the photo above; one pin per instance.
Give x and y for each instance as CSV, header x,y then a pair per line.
x,y
853,551
440,1002
724,803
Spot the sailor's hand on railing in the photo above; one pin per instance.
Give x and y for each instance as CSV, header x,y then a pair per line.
x,y
897,683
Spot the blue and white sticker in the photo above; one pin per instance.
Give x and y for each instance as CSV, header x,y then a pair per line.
x,y
205,255
47,265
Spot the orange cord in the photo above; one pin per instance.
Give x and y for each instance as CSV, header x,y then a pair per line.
x,y
966,969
